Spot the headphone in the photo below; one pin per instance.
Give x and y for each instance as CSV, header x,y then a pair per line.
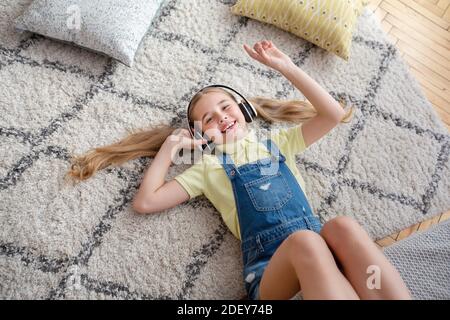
x,y
246,107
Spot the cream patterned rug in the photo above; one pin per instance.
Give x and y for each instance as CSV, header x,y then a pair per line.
x,y
388,168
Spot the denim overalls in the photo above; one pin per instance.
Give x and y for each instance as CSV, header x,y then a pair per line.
x,y
270,205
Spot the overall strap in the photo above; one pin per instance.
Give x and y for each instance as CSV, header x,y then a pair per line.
x,y
273,149
227,163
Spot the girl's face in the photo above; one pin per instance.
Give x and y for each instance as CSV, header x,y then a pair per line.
x,y
219,117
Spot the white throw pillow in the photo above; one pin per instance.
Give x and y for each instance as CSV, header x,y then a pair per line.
x,y
112,27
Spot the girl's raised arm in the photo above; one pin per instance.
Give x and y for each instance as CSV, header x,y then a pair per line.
x,y
329,111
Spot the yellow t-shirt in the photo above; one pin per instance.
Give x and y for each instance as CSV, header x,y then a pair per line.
x,y
208,177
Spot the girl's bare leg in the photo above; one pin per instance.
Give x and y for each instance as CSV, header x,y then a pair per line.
x,y
304,261
362,262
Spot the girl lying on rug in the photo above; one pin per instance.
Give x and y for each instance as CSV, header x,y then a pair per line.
x,y
257,188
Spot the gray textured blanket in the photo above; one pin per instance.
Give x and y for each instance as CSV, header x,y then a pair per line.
x,y
423,260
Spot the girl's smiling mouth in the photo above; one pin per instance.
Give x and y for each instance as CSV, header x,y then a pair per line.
x,y
230,127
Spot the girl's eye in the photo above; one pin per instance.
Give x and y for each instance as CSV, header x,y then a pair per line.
x,y
208,120
226,107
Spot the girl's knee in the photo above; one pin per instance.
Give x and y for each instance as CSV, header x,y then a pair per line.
x,y
307,250
342,229
305,241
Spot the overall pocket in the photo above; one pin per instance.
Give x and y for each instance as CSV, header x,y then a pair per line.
x,y
269,193
251,256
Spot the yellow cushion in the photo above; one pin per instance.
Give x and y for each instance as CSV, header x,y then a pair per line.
x,y
327,24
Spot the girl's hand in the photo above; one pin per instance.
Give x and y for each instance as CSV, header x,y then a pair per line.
x,y
266,53
181,139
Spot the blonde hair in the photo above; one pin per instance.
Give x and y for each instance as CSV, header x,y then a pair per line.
x,y
147,142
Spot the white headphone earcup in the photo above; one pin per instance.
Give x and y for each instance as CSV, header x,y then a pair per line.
x,y
255,114
248,110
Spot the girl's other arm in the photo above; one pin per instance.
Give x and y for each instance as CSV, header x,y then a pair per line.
x,y
329,111
155,194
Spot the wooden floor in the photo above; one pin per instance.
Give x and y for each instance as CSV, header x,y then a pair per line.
x,y
420,29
